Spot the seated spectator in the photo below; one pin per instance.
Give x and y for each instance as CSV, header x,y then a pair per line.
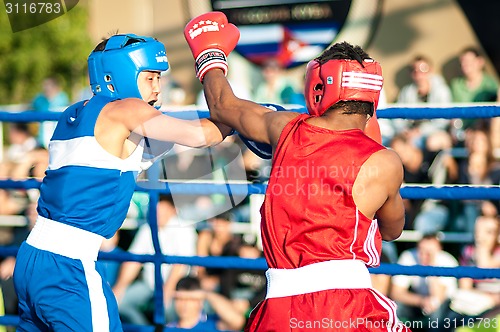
x,y
414,172
488,209
495,131
20,141
85,92
475,297
177,237
189,301
33,165
19,234
51,98
417,162
475,85
426,87
172,93
424,298
275,87
214,240
479,168
243,286
434,214
23,159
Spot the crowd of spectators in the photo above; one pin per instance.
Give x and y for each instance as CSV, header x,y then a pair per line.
x,y
436,152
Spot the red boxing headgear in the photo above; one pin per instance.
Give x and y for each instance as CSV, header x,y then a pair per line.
x,y
341,80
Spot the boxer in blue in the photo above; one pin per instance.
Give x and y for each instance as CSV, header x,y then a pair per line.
x,y
96,152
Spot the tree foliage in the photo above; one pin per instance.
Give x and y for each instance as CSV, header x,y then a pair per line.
x,y
58,48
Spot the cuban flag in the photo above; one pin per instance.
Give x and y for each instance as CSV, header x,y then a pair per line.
x,y
292,45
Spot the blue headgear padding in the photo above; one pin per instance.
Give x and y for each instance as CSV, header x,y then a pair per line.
x,y
263,150
119,65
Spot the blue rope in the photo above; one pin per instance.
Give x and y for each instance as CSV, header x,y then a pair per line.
x,y
425,271
394,112
451,192
243,189
11,320
20,184
29,116
260,264
451,111
238,189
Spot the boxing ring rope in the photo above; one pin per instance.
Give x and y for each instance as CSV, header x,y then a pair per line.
x,y
260,264
407,191
431,111
449,192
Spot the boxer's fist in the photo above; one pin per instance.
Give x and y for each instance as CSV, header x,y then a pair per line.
x,y
211,38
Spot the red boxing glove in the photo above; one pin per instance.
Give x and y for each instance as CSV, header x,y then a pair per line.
x,y
211,38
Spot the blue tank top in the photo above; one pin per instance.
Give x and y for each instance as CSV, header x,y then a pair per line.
x,y
84,185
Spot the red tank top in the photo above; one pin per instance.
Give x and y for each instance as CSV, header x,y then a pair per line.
x,y
309,215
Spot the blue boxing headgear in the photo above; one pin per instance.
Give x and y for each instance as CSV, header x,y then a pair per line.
x,y
113,72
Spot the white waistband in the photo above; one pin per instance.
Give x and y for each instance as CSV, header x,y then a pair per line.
x,y
64,240
337,274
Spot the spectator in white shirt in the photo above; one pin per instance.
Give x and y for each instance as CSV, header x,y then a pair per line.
x,y
424,298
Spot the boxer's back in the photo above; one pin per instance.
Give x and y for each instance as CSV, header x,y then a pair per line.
x,y
309,214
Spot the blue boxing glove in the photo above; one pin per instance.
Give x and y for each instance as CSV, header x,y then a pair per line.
x,y
263,150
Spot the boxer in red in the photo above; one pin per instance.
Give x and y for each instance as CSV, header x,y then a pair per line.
x,y
333,194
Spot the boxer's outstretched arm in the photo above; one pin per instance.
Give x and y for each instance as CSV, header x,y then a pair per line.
x,y
137,116
250,119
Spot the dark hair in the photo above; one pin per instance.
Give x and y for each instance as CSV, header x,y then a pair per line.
x,y
21,127
54,80
166,198
343,51
224,216
102,45
354,107
401,137
421,57
472,49
346,51
188,283
431,236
